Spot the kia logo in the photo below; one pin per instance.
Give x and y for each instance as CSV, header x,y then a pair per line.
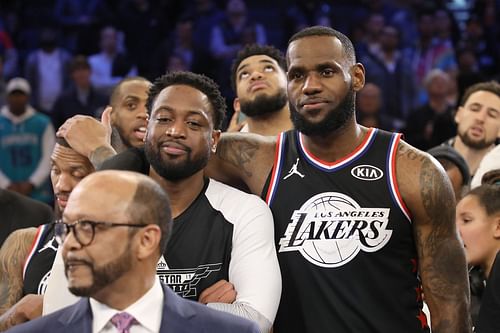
x,y
366,172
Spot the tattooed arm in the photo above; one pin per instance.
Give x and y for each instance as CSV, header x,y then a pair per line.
x,y
427,192
243,159
14,308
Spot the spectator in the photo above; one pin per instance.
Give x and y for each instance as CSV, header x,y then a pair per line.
x,y
112,64
47,70
81,97
432,123
370,112
478,221
478,123
26,141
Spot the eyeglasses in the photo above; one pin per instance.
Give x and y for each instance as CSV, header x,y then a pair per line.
x,y
84,230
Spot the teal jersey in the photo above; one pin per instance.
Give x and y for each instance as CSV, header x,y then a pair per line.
x,y
21,150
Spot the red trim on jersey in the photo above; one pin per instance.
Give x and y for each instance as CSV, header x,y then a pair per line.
x,y
359,149
394,181
34,246
277,161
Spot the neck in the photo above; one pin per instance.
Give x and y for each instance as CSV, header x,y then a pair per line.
x,y
182,192
338,144
489,265
471,155
271,124
122,293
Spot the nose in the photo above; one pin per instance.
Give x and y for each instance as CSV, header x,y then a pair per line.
x,y
312,84
177,129
256,75
142,113
482,115
64,183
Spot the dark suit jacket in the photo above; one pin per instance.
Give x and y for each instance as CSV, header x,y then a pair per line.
x,y
179,316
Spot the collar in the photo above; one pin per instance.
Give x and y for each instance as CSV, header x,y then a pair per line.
x,y
5,111
147,310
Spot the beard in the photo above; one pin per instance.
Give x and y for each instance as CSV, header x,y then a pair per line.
x,y
264,104
105,275
335,119
174,171
474,144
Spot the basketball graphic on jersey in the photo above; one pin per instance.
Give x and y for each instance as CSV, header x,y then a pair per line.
x,y
330,229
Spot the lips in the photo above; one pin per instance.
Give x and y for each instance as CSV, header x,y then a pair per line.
x,y
476,131
259,85
312,104
174,148
62,200
140,132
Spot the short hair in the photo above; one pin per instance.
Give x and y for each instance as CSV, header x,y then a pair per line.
x,y
489,197
490,86
327,31
79,62
253,50
151,205
117,88
448,157
197,81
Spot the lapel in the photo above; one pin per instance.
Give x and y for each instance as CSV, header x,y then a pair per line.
x,y
176,312
77,317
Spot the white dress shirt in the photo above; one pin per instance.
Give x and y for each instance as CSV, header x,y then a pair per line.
x,y
147,310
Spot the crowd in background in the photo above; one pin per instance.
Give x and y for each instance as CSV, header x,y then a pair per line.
x,y
399,42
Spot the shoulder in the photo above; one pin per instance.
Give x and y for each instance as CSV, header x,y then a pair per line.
x,y
235,204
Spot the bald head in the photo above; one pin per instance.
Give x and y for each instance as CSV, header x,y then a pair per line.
x,y
122,195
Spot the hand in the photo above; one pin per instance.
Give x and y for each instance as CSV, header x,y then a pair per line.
x,y
27,308
220,292
85,134
234,125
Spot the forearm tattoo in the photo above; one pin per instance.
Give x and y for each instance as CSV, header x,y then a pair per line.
x,y
238,152
98,156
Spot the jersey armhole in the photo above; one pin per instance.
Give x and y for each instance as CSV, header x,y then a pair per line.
x,y
277,165
34,246
392,179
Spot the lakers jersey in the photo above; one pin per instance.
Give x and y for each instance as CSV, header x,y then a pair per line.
x,y
344,239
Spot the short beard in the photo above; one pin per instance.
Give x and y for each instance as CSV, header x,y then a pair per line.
x,y
334,120
105,275
481,144
172,171
263,104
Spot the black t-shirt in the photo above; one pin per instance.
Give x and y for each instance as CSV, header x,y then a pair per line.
x,y
489,313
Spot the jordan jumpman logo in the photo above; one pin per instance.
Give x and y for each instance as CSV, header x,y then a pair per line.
x,y
294,171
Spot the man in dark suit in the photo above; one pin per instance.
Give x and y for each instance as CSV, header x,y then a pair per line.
x,y
112,264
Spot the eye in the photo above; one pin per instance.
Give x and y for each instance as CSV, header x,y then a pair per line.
x,y
493,113
193,124
78,174
269,69
244,75
55,170
84,226
163,119
131,106
295,75
327,72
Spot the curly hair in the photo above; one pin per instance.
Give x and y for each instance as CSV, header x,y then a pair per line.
x,y
252,50
197,81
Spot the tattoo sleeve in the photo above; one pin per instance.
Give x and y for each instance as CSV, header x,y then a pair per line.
x,y
98,156
441,256
237,152
12,256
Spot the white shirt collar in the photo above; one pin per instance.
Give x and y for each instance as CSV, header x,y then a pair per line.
x,y
5,111
147,310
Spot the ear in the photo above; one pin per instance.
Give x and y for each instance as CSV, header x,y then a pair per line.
x,y
149,241
458,114
215,140
236,104
496,222
358,76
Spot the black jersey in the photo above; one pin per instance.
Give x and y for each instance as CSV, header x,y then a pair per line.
x,y
344,240
38,264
